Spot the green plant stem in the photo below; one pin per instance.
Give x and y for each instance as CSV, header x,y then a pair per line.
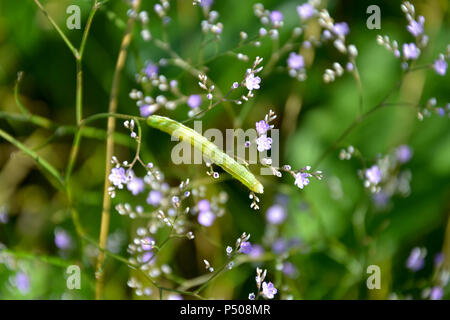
x,y
41,162
106,207
58,29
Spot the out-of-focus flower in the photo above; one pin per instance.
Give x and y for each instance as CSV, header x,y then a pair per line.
x,y
403,153
118,177
194,101
22,282
279,246
147,109
256,251
305,11
295,61
289,269
276,214
206,218
62,239
410,51
373,174
154,198
203,205
276,17
416,27
440,66
151,70
301,179
245,247
436,293
268,290
341,29
175,296
416,259
135,185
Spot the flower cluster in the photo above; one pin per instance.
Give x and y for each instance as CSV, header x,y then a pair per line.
x,y
265,289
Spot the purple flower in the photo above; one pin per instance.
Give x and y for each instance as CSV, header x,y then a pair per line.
x,y
135,185
252,82
4,218
118,177
380,199
301,179
206,3
276,17
63,240
440,66
279,246
256,251
264,143
147,109
268,290
203,205
410,51
276,214
416,27
154,198
305,11
175,296
151,70
373,174
440,112
194,101
22,282
147,256
245,247
439,259
262,127
436,293
147,244
289,269
295,61
416,259
341,29
403,153
206,218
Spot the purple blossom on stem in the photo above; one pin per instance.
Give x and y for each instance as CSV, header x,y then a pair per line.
x,y
206,218
264,143
301,179
341,29
63,240
295,61
305,11
154,198
206,3
410,51
268,290
416,259
252,82
147,244
262,127
245,247
151,70
256,251
416,27
194,101
403,153
276,17
373,174
135,185
118,177
276,214
440,66
203,205
436,293
146,110
22,282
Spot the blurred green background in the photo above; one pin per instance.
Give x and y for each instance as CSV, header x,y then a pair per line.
x,y
341,230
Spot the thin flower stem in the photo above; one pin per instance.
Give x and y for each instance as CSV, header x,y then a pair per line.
x,y
42,162
22,108
104,226
58,29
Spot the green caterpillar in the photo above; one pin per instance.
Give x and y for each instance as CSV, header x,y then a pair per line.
x,y
208,148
